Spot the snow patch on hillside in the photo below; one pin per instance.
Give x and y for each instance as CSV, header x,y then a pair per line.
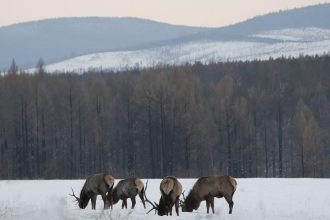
x,y
293,34
290,43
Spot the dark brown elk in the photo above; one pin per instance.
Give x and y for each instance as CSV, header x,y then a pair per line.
x,y
97,184
206,188
170,189
128,188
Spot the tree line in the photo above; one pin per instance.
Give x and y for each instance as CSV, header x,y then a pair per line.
x,y
246,119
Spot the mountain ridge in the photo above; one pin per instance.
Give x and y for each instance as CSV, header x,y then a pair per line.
x,y
71,37
62,38
310,16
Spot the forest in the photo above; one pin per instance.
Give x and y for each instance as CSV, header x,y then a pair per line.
x,y
246,119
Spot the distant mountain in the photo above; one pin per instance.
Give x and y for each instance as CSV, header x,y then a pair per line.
x,y
58,39
119,43
312,16
303,31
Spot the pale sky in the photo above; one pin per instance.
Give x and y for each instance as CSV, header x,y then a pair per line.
x,y
211,13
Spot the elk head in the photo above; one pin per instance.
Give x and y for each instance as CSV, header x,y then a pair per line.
x,y
82,202
186,204
163,208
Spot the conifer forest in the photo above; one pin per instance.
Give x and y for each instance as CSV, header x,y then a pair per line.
x,y
247,119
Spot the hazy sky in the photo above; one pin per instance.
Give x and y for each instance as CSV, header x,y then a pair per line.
x,y
188,12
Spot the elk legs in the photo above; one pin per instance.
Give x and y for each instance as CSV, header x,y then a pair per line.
x,y
212,204
177,206
209,202
141,195
230,203
133,201
124,203
105,202
93,199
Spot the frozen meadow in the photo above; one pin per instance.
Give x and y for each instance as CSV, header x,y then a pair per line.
x,y
257,199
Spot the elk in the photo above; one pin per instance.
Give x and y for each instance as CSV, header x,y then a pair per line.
x,y
97,184
171,190
206,188
128,188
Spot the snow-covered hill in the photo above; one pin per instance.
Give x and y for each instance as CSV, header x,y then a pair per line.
x,y
263,45
257,199
57,40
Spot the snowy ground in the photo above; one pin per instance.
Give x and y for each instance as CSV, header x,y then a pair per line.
x,y
285,42
255,199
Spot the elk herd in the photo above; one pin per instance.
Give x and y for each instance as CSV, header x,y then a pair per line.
x,y
205,188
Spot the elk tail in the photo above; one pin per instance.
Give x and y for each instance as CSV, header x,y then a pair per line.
x,y
167,186
139,185
109,180
233,182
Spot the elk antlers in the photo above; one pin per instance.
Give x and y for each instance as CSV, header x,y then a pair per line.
x,y
184,198
78,199
154,204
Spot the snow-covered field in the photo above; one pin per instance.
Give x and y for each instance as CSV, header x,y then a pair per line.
x,y
255,199
285,42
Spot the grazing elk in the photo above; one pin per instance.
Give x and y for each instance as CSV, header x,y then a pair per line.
x,y
97,184
128,188
206,188
171,190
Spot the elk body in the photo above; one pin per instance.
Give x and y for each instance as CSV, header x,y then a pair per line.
x,y
206,188
128,188
171,190
97,184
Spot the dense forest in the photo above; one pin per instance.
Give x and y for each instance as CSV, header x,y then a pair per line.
x,y
247,119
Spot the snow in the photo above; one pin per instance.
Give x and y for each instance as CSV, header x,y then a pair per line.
x,y
290,43
296,34
257,199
